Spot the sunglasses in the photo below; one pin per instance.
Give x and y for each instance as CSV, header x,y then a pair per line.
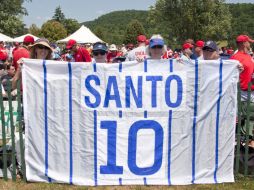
x,y
96,53
157,47
42,47
209,49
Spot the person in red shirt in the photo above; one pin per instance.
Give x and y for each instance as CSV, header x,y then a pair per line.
x,y
246,76
3,53
112,54
22,51
243,45
16,47
80,54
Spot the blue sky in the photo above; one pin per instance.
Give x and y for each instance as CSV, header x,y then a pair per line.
x,y
82,10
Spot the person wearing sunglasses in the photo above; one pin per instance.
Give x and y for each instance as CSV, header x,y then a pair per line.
x,y
210,51
41,50
99,52
156,47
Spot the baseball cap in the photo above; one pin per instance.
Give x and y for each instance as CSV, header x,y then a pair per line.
x,y
112,47
200,43
244,38
187,46
70,43
28,39
141,38
100,46
156,42
210,46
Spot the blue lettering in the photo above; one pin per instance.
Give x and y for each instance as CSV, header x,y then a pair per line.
x,y
154,80
130,88
112,83
132,147
111,167
179,91
92,91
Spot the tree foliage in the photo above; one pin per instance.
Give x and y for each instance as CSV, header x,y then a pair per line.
x,y
197,19
35,30
133,29
71,25
58,15
10,14
53,31
242,22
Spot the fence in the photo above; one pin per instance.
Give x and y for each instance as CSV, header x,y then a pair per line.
x,y
11,165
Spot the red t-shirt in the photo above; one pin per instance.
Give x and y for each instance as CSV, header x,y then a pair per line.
x,y
3,54
248,65
21,52
112,55
82,55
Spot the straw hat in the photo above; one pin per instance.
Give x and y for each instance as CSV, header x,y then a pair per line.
x,y
41,41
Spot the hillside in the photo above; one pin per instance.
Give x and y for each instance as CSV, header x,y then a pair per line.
x,y
113,25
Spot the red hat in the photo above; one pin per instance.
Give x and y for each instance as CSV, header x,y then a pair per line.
x,y
200,43
187,46
141,38
244,38
28,39
70,44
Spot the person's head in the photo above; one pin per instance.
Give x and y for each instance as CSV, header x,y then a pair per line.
x,y
99,52
141,39
10,70
41,50
72,45
1,44
198,47
210,51
130,46
28,40
243,43
156,47
16,44
187,49
112,48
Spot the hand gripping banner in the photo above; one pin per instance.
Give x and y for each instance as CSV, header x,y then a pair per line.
x,y
159,122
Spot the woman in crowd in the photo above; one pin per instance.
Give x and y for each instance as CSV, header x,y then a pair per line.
x,y
156,47
39,50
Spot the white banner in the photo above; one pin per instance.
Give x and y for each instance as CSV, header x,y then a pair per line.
x,y
155,123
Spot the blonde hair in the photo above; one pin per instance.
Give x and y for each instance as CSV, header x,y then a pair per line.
x,y
156,36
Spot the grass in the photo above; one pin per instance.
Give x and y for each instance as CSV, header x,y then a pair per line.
x,y
241,183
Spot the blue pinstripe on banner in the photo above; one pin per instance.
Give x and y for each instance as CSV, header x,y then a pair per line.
x,y
45,118
171,65
194,123
217,124
145,181
145,65
94,67
95,147
120,181
169,145
120,67
70,119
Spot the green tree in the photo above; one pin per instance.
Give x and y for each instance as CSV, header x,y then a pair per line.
x,y
10,14
58,15
197,19
134,28
100,32
71,25
53,31
33,29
